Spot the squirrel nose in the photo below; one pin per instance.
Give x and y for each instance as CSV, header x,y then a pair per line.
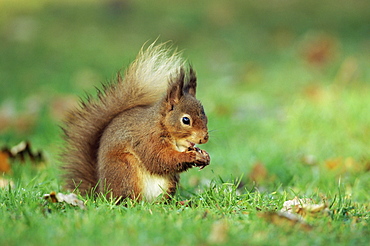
x,y
204,140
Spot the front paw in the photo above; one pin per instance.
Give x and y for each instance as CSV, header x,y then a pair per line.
x,y
201,158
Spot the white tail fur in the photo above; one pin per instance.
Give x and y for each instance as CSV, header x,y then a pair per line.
x,y
152,69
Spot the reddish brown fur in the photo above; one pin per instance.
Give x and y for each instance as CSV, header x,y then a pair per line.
x,y
132,139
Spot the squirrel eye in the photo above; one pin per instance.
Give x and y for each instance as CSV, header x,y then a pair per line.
x,y
185,120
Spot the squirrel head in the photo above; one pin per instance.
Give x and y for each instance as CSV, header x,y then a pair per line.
x,y
184,116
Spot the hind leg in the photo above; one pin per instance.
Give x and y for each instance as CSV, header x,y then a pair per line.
x,y
119,175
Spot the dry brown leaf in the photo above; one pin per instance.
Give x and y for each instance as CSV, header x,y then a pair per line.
x,y
333,163
343,165
70,198
50,197
314,93
22,151
259,172
4,162
366,166
304,207
285,219
313,210
319,49
289,205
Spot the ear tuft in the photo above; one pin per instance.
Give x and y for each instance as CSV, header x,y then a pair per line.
x,y
175,91
191,85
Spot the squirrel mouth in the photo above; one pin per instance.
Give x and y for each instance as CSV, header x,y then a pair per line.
x,y
191,144
184,145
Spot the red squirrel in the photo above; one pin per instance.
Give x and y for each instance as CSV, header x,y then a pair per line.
x,y
135,139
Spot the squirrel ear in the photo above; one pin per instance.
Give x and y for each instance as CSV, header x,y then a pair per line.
x,y
175,91
191,85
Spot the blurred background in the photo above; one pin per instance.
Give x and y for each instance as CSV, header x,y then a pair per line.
x,y
284,82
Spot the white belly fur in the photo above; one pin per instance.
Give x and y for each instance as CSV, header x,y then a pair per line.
x,y
153,186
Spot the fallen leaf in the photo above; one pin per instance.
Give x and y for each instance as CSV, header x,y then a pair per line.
x,y
22,151
4,162
51,197
343,165
70,198
367,166
333,163
304,207
289,205
259,172
285,219
319,49
312,209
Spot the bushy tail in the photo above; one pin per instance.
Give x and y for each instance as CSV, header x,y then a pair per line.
x,y
145,82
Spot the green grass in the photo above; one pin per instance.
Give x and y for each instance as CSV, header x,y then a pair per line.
x,y
305,120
